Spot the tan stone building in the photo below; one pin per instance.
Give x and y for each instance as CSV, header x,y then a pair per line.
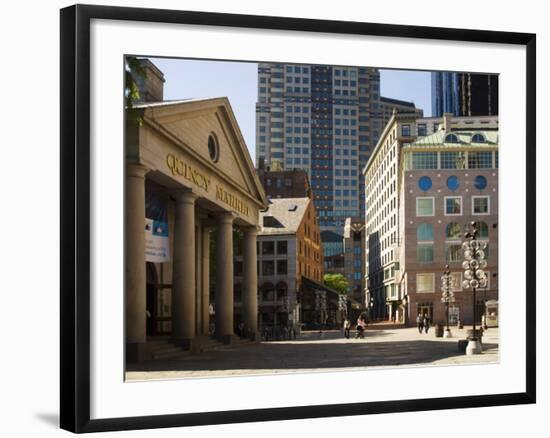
x,y
191,155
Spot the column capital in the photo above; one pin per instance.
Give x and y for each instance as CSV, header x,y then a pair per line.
x,y
136,170
227,217
251,230
184,196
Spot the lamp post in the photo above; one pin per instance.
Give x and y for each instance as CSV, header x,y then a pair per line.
x,y
474,277
320,306
447,296
343,305
371,307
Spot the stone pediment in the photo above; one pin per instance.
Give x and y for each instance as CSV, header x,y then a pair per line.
x,y
190,123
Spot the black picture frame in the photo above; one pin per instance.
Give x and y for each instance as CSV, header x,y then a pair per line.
x,y
75,217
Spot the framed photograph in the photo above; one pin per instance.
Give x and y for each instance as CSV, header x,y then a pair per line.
x,y
270,218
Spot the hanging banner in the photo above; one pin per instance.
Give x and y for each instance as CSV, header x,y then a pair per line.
x,y
157,245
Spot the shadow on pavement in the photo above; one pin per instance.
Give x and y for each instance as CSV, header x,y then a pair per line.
x,y
281,355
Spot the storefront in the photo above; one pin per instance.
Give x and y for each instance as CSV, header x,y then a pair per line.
x,y
189,177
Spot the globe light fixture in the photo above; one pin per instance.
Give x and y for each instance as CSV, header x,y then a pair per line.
x,y
475,277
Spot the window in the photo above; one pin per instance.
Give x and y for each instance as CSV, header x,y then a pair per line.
x,y
456,281
424,160
452,160
268,267
424,283
268,248
422,129
451,138
453,183
483,230
406,130
453,205
480,160
478,138
480,182
454,253
425,233
425,183
281,267
453,231
480,205
282,247
424,206
424,253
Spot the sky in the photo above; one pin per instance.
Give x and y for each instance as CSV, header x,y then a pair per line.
x,y
239,82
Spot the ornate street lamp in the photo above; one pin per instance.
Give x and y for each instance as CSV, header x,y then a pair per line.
x,y
447,296
321,306
343,305
474,277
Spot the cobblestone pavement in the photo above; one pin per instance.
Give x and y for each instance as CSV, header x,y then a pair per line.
x,y
327,352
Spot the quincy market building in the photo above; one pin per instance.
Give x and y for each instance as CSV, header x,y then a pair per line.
x,y
190,177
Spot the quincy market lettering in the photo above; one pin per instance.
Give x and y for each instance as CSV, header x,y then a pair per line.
x,y
181,168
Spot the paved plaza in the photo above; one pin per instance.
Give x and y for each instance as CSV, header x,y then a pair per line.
x,y
327,352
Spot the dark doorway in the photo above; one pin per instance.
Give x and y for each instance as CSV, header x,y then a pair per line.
x,y
152,305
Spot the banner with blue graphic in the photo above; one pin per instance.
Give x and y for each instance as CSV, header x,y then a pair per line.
x,y
157,245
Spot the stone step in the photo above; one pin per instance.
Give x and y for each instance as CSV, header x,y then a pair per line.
x,y
176,354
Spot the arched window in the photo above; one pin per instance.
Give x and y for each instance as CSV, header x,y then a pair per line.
x,y
425,233
451,138
483,230
478,138
453,231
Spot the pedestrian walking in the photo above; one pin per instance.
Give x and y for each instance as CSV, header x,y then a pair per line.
x,y
420,323
426,323
347,326
360,328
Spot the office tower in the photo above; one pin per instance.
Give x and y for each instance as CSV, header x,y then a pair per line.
x,y
464,94
323,119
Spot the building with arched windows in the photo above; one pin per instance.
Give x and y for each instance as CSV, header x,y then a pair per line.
x,y
422,187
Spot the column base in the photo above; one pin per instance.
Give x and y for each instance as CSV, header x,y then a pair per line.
x,y
136,352
253,336
474,347
192,345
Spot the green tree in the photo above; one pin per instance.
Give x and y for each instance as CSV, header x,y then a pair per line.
x,y
132,70
337,282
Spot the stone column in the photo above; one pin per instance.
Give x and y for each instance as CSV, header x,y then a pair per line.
x,y
224,277
250,283
135,261
205,266
183,270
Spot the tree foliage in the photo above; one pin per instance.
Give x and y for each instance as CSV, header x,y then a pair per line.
x,y
132,70
337,282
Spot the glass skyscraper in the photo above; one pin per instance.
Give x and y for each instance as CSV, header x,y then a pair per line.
x,y
445,93
464,94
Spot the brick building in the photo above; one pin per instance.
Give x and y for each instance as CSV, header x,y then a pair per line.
x,y
425,180
290,262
